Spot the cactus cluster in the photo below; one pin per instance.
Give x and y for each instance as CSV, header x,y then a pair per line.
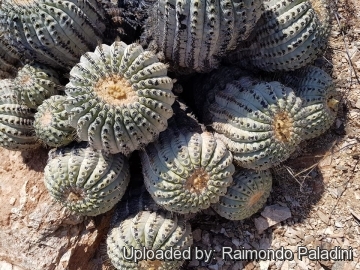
x,y
51,123
53,32
86,181
195,34
119,97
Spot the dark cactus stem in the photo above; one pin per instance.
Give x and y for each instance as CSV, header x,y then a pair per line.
x,y
126,18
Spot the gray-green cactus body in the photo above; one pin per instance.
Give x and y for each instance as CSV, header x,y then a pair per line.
x,y
246,195
9,59
16,120
320,98
35,83
186,171
261,123
86,181
148,230
54,32
288,36
119,97
51,122
195,34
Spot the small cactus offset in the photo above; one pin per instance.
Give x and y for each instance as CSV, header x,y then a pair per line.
x,y
185,170
195,34
35,83
289,35
86,181
246,195
260,122
51,123
119,97
320,98
16,120
148,230
53,32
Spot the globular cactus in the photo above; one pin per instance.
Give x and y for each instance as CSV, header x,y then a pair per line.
x,y
16,120
35,83
186,170
320,98
53,32
194,35
86,181
260,122
289,35
148,231
51,123
246,195
119,97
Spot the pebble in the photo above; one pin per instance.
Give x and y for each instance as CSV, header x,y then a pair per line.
x,y
276,213
196,235
206,238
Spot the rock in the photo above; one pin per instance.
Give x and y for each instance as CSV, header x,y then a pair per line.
x,y
39,233
275,214
264,265
324,218
261,224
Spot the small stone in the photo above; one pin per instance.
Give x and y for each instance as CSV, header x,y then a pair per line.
x,y
285,266
324,218
276,213
193,263
357,104
237,266
206,238
12,201
235,241
261,224
214,267
308,239
302,265
90,225
196,235
264,265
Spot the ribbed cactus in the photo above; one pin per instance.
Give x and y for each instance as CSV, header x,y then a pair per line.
x,y
35,83
246,195
9,59
196,34
54,32
260,122
86,181
148,231
320,98
51,123
185,170
16,120
288,36
119,97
